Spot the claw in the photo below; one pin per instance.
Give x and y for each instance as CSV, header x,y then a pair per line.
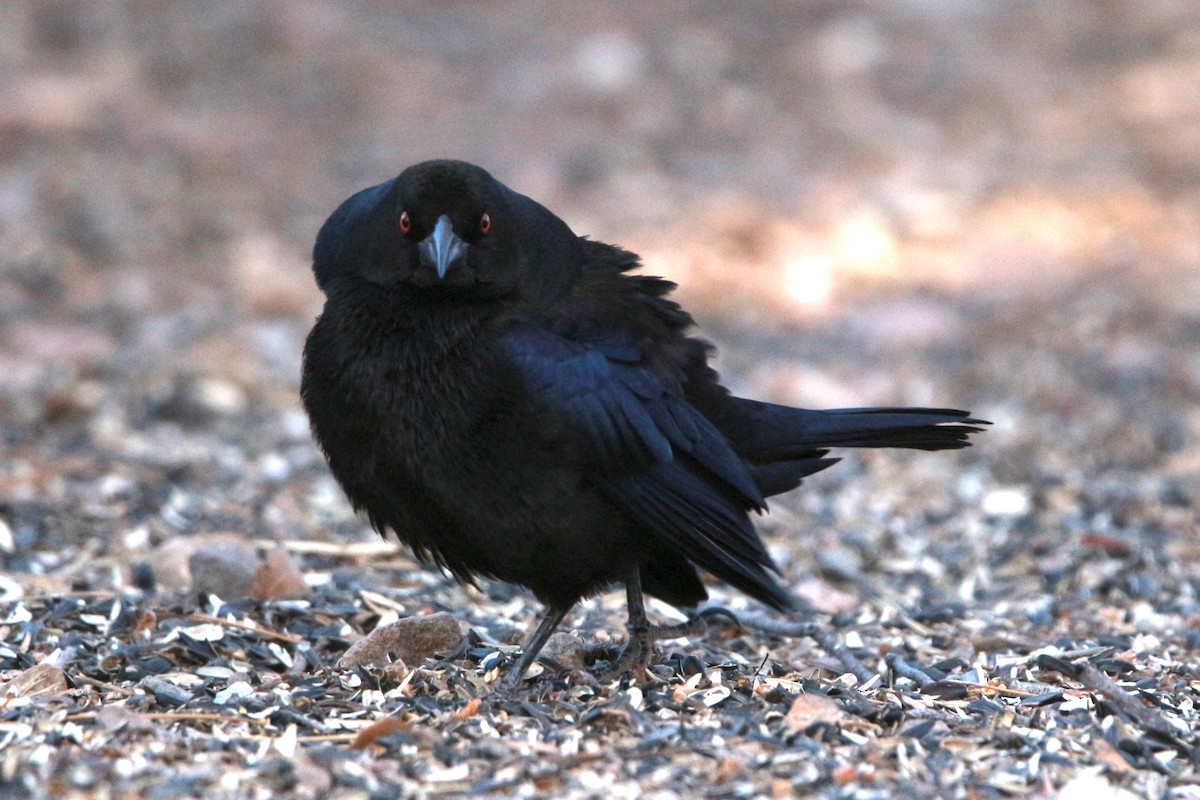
x,y
634,655
711,612
642,635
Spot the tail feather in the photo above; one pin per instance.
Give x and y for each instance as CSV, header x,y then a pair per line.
x,y
765,432
777,477
914,428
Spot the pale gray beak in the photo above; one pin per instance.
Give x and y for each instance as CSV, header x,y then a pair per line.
x,y
442,250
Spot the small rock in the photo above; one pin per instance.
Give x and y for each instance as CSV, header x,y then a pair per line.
x,y
265,269
608,62
113,718
412,640
1006,502
59,343
234,691
169,563
1096,787
827,599
840,563
279,578
395,671
315,779
195,400
167,692
227,569
564,649
811,708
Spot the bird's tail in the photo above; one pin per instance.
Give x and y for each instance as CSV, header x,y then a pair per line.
x,y
785,444
768,432
914,428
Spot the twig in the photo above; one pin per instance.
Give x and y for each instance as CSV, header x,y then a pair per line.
x,y
950,718
181,716
266,633
342,550
1086,673
915,626
1014,691
108,687
819,633
906,670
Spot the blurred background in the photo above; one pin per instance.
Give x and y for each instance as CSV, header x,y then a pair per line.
x,y
992,206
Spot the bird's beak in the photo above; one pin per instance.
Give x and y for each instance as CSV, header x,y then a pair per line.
x,y
442,250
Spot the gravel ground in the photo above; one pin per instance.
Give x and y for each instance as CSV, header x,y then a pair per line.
x,y
988,206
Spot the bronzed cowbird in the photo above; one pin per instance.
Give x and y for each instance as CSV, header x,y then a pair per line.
x,y
513,403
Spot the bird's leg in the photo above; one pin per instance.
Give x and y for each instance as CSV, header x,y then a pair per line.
x,y
636,652
547,624
643,635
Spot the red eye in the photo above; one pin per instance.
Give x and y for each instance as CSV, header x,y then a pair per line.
x,y
405,223
485,223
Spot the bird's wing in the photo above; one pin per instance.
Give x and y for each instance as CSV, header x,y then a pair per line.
x,y
647,447
631,417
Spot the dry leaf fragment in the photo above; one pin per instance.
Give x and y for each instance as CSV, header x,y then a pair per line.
x,y
1110,756
1110,545
469,710
147,623
373,733
39,679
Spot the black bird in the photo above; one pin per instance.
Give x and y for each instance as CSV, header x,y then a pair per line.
x,y
512,403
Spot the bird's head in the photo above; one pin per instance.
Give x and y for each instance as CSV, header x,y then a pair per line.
x,y
447,229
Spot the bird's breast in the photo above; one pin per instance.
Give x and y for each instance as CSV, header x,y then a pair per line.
x,y
409,395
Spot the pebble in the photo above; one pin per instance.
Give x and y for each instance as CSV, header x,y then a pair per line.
x,y
412,640
227,569
279,577
1006,502
608,62
234,691
565,649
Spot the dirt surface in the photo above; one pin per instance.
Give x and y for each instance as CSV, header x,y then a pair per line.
x,y
987,206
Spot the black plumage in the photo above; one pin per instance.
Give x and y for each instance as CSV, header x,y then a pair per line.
x,y
513,403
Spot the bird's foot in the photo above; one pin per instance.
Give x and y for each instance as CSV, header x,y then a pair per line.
x,y
635,655
639,648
